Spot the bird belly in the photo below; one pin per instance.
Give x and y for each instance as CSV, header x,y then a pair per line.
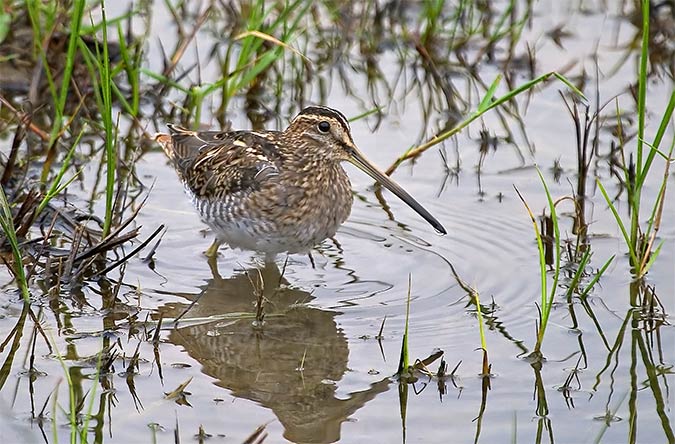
x,y
285,229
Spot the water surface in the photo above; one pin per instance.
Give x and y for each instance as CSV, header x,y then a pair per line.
x,y
316,371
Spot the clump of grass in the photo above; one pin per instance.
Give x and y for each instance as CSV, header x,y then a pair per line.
x,y
251,61
45,16
546,299
249,55
639,239
547,295
47,19
101,77
406,373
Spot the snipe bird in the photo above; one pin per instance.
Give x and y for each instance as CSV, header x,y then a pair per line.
x,y
274,191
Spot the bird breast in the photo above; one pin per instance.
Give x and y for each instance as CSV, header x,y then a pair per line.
x,y
322,202
292,213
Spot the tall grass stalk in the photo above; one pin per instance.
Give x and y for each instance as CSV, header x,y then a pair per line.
x,y
546,304
7,224
481,331
250,61
132,66
73,37
61,97
40,22
641,243
110,133
101,76
404,372
546,297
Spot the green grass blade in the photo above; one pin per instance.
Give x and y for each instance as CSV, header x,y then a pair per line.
x,y
255,68
164,80
640,172
404,361
416,151
596,278
489,94
570,85
73,38
663,126
574,284
481,329
657,209
102,62
542,265
546,308
656,151
7,224
642,86
56,187
652,258
5,22
365,114
131,69
619,222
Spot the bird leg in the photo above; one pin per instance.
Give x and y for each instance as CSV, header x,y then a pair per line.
x,y
213,266
212,251
212,255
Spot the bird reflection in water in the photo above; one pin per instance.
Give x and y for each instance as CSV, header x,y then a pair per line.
x,y
262,364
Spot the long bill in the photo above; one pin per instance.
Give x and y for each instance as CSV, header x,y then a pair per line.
x,y
358,159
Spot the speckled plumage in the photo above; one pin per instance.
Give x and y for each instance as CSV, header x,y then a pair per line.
x,y
273,191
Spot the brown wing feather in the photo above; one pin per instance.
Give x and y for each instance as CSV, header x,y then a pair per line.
x,y
214,164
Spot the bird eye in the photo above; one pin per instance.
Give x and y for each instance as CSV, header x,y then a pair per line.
x,y
324,126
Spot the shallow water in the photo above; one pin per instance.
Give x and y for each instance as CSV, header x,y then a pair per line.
x,y
315,371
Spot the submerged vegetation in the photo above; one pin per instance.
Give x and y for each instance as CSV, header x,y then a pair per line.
x,y
84,85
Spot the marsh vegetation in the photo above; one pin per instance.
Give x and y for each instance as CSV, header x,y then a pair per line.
x,y
539,133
